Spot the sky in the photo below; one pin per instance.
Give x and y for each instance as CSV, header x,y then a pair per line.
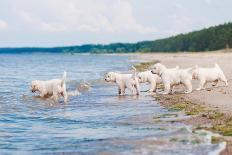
x,y
49,23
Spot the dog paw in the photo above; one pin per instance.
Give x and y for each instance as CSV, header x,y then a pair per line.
x,y
187,92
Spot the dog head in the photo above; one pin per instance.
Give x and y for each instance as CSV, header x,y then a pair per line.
x,y
110,77
34,86
158,69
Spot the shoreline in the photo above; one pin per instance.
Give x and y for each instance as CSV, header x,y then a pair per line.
x,y
208,109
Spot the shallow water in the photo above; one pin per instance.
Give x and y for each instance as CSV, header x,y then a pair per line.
x,y
95,122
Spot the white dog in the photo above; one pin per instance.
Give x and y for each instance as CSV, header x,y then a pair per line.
x,y
205,75
152,79
124,81
54,88
172,77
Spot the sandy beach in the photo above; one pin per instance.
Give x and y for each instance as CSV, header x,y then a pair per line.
x,y
218,97
211,107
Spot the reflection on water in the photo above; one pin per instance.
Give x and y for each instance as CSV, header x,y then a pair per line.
x,y
96,122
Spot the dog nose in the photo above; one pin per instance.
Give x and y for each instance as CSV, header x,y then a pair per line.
x,y
152,72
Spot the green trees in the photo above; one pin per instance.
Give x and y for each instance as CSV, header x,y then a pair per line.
x,y
212,38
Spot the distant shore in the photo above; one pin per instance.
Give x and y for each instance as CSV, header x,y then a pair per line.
x,y
211,108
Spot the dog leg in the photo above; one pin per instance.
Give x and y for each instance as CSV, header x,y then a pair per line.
x,y
122,88
153,86
215,83
223,79
201,85
55,97
172,89
166,88
188,86
119,91
132,89
65,97
137,88
42,95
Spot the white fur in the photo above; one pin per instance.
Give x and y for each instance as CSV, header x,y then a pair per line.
x,y
205,75
124,81
172,77
54,88
152,79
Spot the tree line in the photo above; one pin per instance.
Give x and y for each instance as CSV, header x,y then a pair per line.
x,y
208,39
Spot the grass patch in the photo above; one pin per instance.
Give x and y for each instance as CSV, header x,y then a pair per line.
x,y
165,116
215,120
224,128
179,106
189,108
143,66
195,110
217,140
215,115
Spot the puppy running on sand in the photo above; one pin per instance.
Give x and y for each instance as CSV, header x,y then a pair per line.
x,y
172,77
54,88
205,75
124,81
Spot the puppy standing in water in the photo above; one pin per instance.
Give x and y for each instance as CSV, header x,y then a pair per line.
x,y
172,77
205,75
124,81
54,88
152,79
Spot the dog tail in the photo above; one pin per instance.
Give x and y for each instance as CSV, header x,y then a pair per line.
x,y
133,67
64,78
190,70
135,71
217,66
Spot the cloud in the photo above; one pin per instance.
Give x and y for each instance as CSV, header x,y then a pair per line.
x,y
208,1
85,16
3,24
180,23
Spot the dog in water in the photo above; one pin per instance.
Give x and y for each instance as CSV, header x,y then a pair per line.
x,y
54,88
124,81
148,77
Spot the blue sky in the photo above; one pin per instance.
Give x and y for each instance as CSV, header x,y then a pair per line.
x,y
50,23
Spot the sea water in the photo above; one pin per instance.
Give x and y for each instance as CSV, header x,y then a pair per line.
x,y
96,122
